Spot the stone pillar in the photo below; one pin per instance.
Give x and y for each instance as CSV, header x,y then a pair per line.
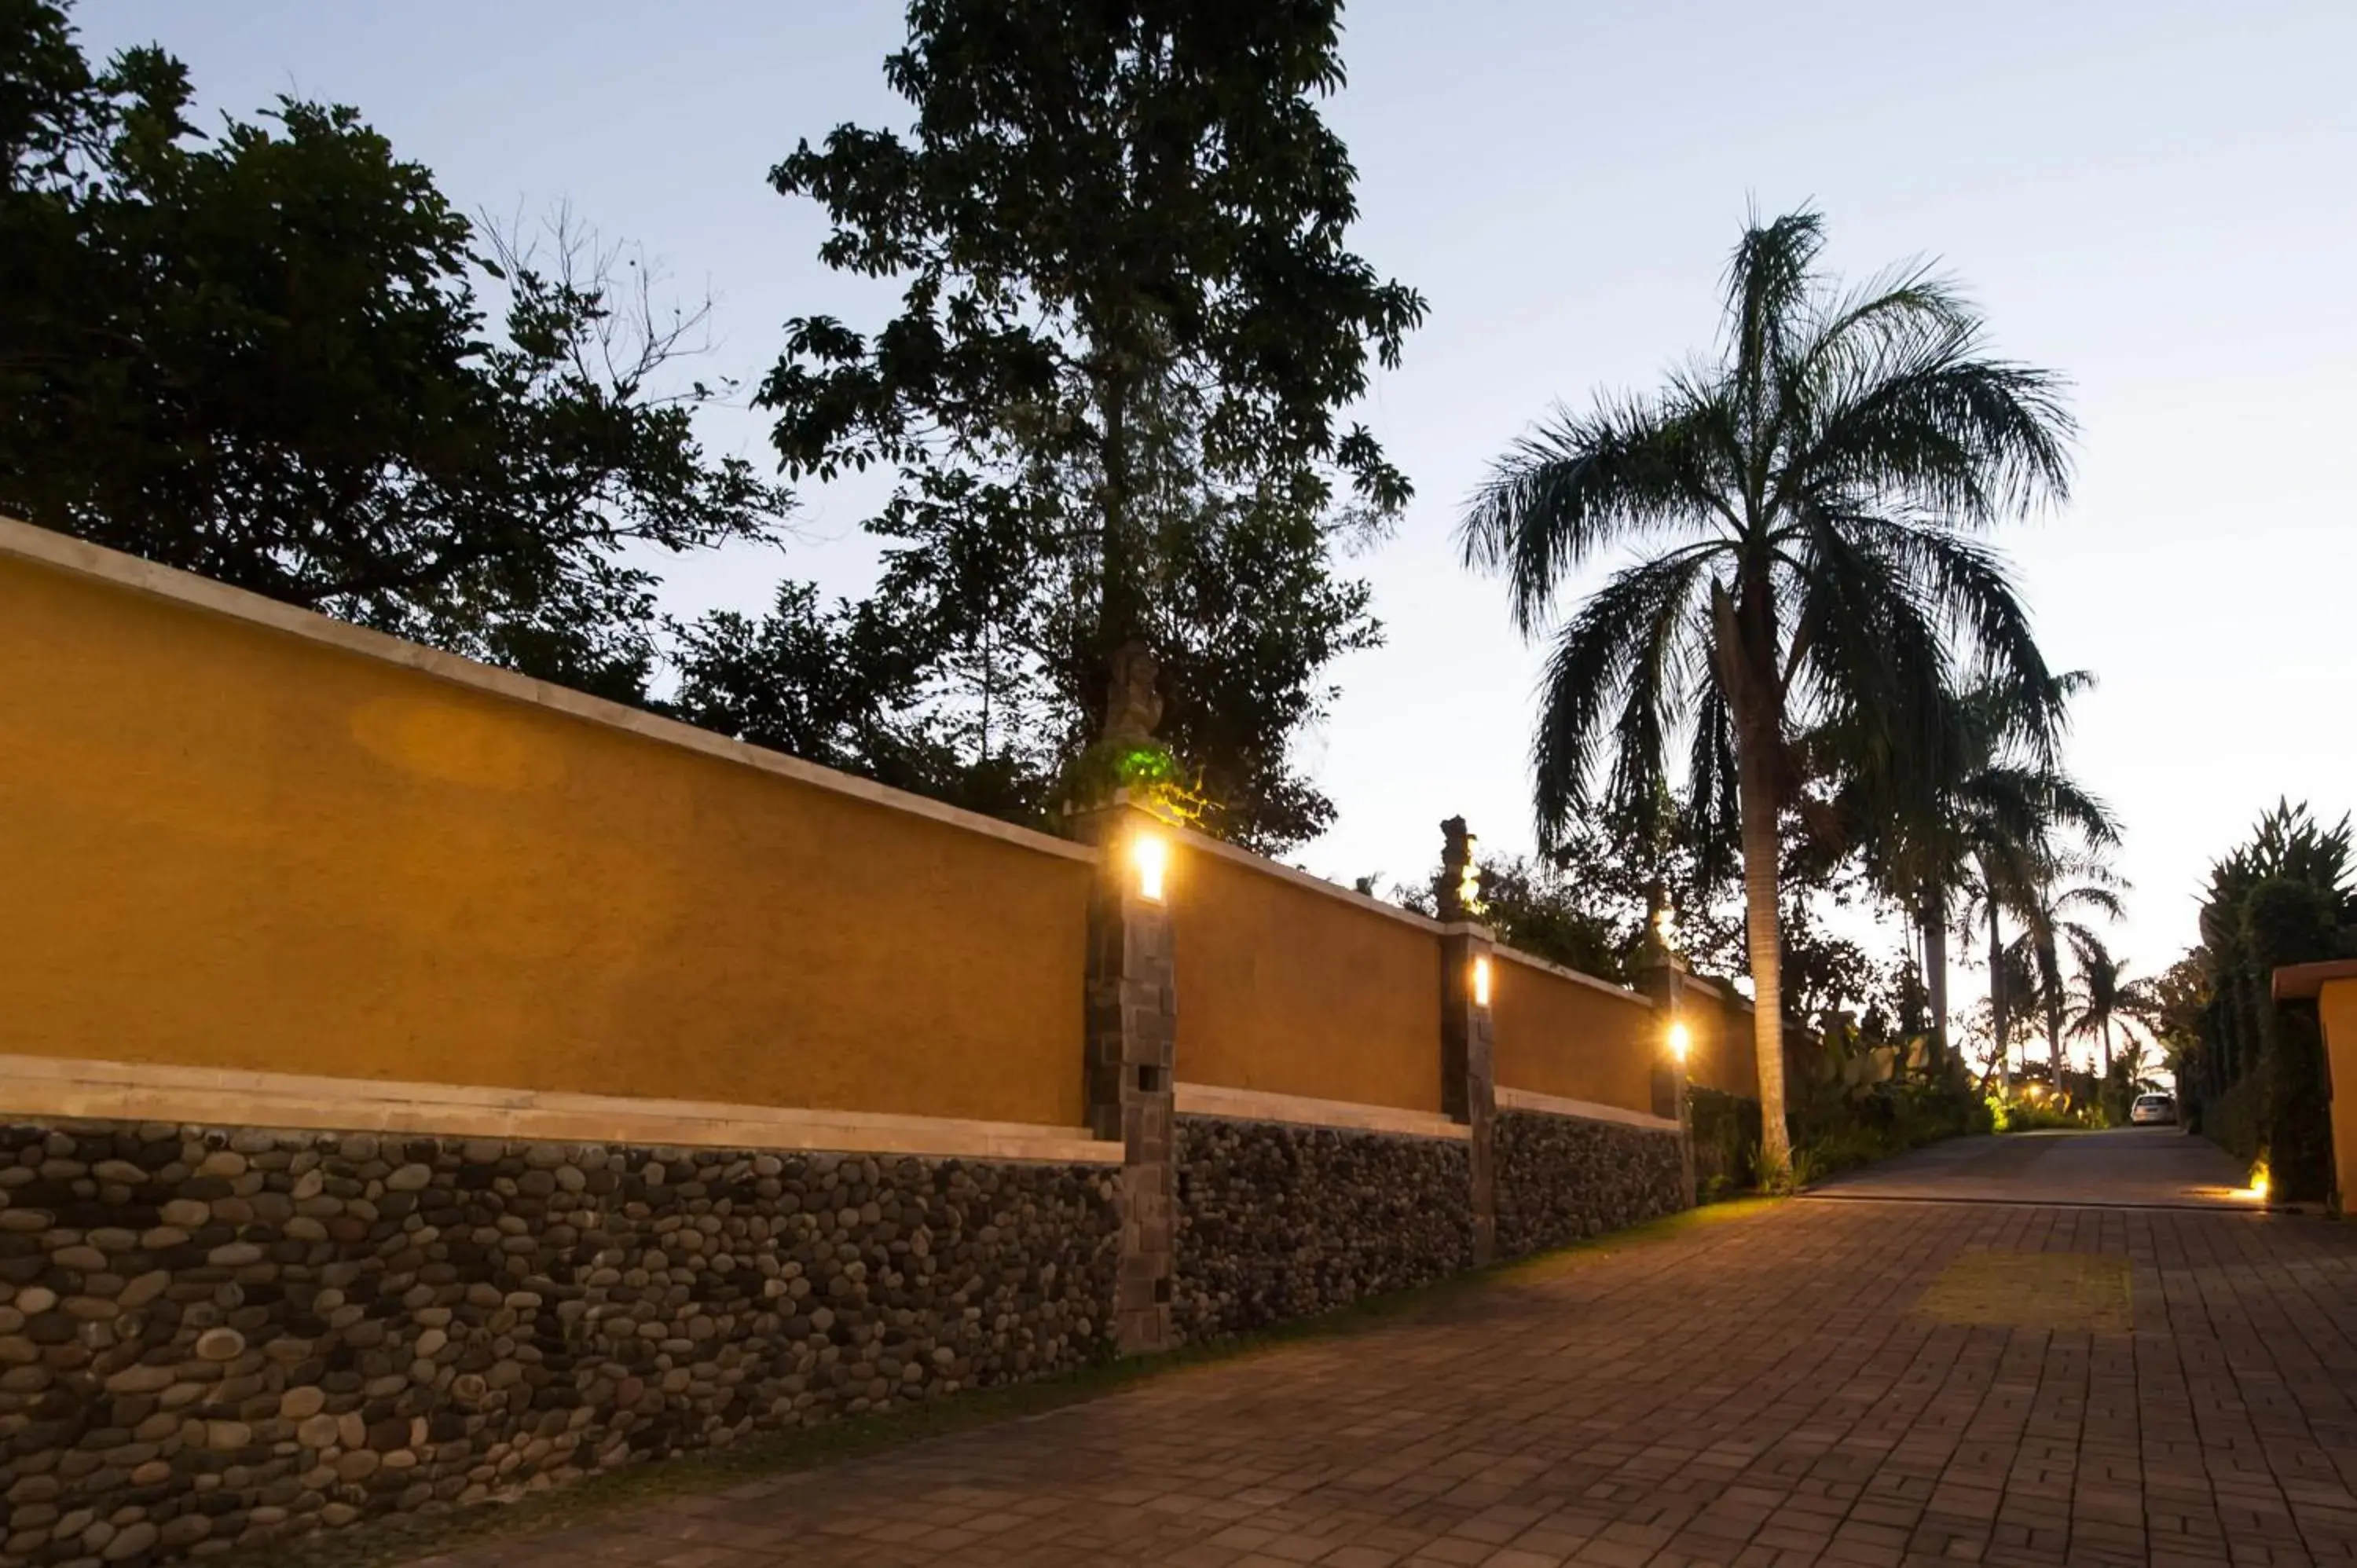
x,y
1662,977
1469,1085
1131,1038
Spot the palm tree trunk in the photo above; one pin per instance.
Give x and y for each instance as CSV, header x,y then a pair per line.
x,y
2107,1046
1762,926
1998,1019
1935,977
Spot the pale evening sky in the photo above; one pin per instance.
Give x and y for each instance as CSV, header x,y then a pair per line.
x,y
2153,198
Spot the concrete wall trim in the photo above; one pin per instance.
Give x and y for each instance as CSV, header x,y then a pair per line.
x,y
1619,992
2303,981
1256,1105
88,1089
1583,1109
61,552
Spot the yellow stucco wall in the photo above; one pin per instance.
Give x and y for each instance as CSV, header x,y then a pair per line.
x,y
1287,989
230,845
1555,1036
2336,1006
1724,1055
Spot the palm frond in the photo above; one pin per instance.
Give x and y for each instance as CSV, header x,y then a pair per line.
x,y
1577,484
1623,639
1920,417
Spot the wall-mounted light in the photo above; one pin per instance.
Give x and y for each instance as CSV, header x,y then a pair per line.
x,y
1481,981
1681,1041
1150,853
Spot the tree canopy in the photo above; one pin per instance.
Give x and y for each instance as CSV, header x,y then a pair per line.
x,y
1115,392
262,355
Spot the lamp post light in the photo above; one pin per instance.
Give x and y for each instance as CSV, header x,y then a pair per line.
x,y
1662,977
1149,853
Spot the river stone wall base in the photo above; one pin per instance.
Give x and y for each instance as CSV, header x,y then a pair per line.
x,y
210,1339
1277,1220
1563,1178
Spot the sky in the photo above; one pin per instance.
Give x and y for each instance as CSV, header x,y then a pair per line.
x,y
2152,198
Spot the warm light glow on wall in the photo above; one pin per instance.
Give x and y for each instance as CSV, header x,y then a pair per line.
x,y
1150,853
1681,1041
1481,982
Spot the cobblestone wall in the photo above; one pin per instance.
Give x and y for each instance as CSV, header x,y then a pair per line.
x,y
1277,1220
209,1340
1561,1178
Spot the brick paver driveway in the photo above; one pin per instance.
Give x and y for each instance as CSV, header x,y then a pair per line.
x,y
1830,1380
2129,1167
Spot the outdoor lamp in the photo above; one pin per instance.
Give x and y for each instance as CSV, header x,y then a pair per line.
x,y
1150,853
1481,981
1681,1040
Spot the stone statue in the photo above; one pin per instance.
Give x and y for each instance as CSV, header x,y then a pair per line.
x,y
1133,707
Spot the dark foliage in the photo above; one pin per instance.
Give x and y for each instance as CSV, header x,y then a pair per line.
x,y
260,356
1128,325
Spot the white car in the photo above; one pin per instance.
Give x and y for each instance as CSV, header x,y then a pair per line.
x,y
2153,1111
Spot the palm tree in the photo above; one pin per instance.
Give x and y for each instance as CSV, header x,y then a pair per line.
x,y
1809,495
1986,821
2107,993
2051,922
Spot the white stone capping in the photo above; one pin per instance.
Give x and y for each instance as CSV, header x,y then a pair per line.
x,y
1583,1110
83,1088
1301,1109
79,558
1618,992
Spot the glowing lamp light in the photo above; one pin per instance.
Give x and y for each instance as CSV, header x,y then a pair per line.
x,y
1681,1041
1150,853
1481,983
1666,928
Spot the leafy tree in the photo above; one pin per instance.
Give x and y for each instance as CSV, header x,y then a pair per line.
x,y
1811,493
832,686
963,670
261,356
2170,1005
1128,317
2309,912
2286,896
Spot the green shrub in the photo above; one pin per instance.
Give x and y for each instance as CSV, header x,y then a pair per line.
x,y
2032,1116
1834,1134
1726,1140
2232,1121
